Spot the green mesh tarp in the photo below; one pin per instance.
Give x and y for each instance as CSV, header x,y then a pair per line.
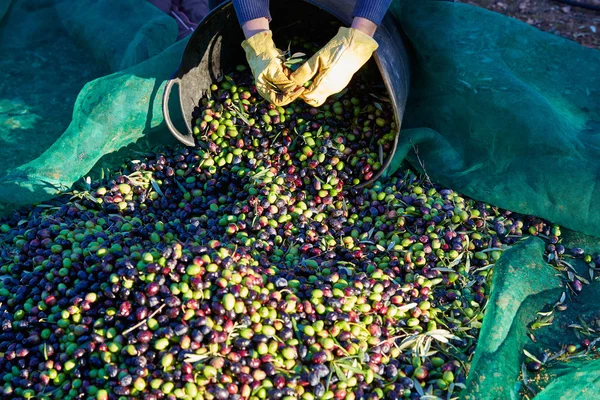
x,y
84,80
497,110
510,115
504,113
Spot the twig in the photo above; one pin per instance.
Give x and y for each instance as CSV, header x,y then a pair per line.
x,y
144,321
421,164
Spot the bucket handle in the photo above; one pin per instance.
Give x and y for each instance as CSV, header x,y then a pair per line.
x,y
188,140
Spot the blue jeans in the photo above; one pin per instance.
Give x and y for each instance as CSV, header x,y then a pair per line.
x,y
214,3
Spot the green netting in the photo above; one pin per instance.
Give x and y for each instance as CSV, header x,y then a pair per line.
x,y
498,110
510,115
506,113
523,285
62,110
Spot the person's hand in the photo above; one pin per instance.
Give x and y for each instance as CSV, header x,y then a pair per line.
x,y
266,62
332,67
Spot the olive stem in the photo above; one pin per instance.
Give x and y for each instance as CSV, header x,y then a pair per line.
x,y
144,321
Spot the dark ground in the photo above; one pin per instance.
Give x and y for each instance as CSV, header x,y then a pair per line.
x,y
575,23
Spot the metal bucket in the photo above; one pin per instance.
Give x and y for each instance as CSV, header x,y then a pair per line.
x,y
215,47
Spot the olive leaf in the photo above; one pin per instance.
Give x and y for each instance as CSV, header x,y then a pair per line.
x,y
292,61
489,266
417,385
156,187
526,379
237,110
339,95
524,372
339,372
534,358
194,358
450,391
582,279
557,355
490,249
568,265
407,307
544,314
456,261
229,79
380,98
442,269
351,369
441,335
370,233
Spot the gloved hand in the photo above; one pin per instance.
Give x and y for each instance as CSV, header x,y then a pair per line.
x,y
272,77
332,67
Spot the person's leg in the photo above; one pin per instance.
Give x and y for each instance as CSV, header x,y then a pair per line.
x,y
195,9
214,3
187,13
173,8
163,5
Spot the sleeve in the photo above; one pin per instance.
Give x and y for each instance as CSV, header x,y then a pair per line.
x,y
251,9
373,10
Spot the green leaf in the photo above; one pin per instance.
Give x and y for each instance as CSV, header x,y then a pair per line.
x,y
418,387
538,325
180,186
441,269
339,373
534,358
442,333
351,368
409,342
407,307
238,111
156,187
340,94
524,372
194,358
292,61
476,324
450,391
386,100
456,261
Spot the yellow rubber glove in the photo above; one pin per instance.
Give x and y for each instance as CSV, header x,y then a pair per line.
x,y
332,67
272,77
